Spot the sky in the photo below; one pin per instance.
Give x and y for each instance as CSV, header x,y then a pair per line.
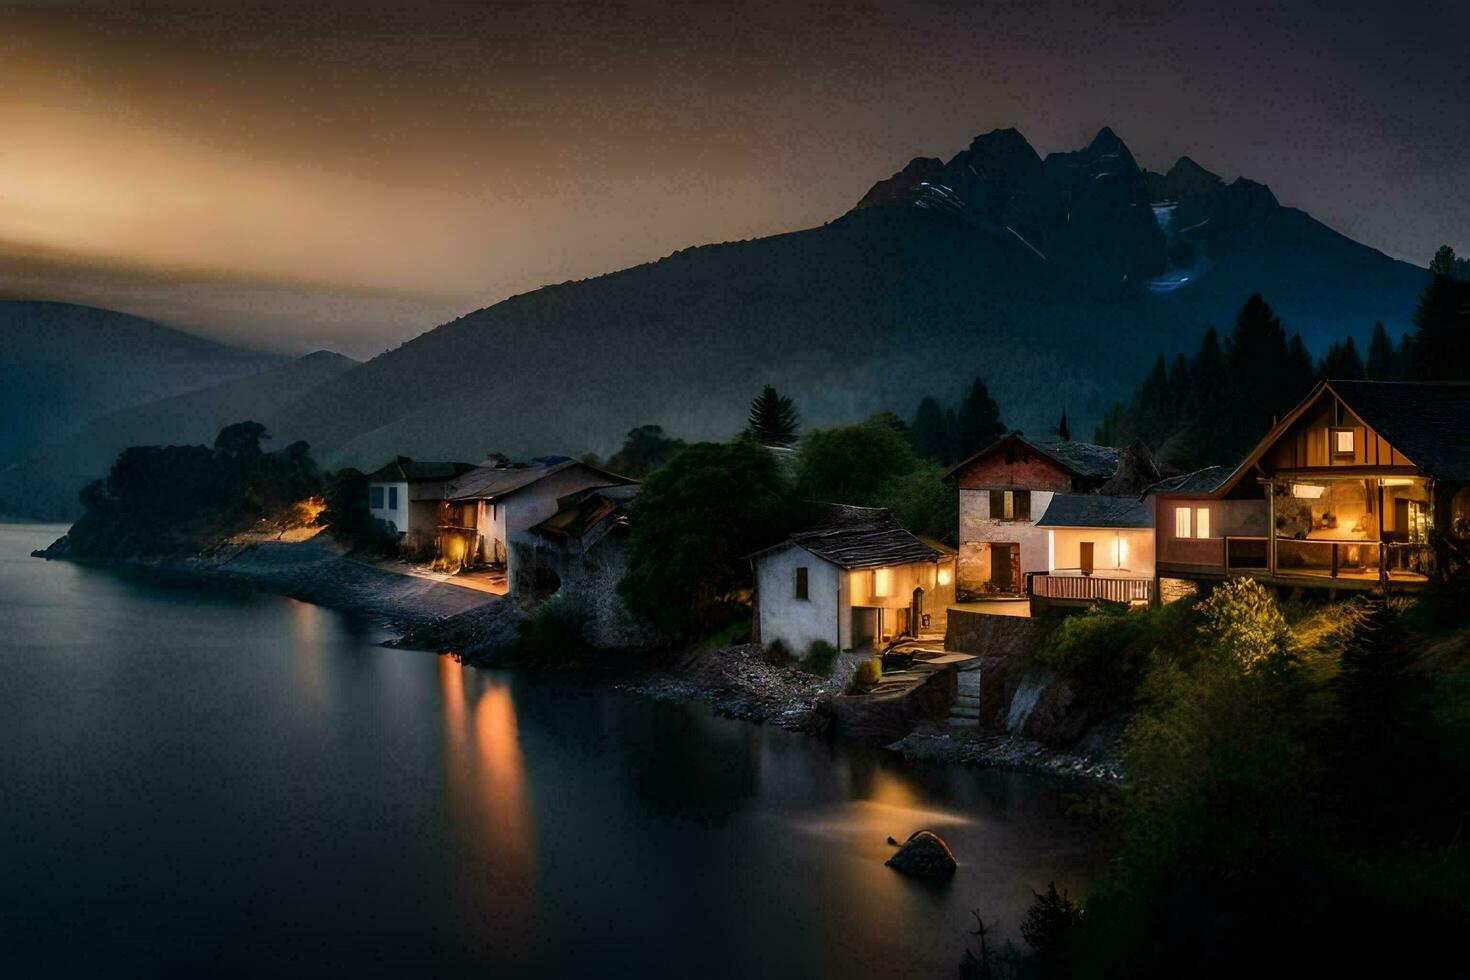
x,y
341,174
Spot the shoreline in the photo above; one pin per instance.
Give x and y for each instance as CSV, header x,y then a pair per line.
x,y
734,681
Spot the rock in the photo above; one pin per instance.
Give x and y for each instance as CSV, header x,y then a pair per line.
x,y
924,855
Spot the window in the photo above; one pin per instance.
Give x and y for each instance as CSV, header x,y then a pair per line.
x,y
1010,505
1202,522
392,498
1023,505
882,582
997,505
1181,522
375,498
801,583
1344,442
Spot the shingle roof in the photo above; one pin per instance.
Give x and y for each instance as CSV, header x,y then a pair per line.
x,y
404,468
580,512
1084,458
1097,510
1429,422
862,537
487,482
1200,481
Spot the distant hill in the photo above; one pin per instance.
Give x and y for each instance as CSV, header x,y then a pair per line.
x,y
62,365
46,485
1057,279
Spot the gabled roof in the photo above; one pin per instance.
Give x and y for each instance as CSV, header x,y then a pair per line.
x,y
860,537
1426,421
1097,510
580,512
1077,458
496,482
411,470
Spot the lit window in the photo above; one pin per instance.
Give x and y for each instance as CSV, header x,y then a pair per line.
x,y
1181,522
801,583
882,581
1201,522
1344,442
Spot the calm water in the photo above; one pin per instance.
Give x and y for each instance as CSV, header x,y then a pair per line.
x,y
202,783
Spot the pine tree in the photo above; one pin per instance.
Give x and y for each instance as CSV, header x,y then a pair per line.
x,y
931,432
978,422
1440,346
773,420
1380,366
1062,432
1342,363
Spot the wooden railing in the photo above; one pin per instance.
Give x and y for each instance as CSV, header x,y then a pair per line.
x,y
1092,587
1251,554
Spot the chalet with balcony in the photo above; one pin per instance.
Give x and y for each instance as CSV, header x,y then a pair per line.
x,y
1003,491
856,580
1362,485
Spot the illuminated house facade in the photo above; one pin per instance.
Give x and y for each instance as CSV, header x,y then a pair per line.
x,y
856,580
1098,546
1003,492
1347,491
486,516
404,494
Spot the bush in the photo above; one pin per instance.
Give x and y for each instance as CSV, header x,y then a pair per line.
x,y
869,672
1108,650
778,653
1241,620
820,657
1047,928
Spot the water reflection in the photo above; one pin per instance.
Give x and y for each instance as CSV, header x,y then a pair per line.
x,y
488,807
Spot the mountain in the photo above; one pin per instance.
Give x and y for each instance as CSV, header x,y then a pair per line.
x,y
46,485
1057,279
62,364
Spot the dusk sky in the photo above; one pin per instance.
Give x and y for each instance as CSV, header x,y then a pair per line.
x,y
351,175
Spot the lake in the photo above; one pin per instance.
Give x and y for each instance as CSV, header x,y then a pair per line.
x,y
203,782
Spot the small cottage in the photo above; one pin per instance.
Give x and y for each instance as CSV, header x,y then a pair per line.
x,y
1003,491
855,580
1098,546
404,494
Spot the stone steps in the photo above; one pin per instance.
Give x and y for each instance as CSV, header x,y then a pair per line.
x,y
965,712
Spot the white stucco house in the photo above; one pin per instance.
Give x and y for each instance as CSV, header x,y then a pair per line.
x,y
1098,546
487,514
856,580
404,493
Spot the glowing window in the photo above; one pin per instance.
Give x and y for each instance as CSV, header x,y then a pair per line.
x,y
1201,522
882,581
1344,442
1181,522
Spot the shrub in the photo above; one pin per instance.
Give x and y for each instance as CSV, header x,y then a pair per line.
x,y
778,653
1241,620
1108,650
820,657
869,672
1048,925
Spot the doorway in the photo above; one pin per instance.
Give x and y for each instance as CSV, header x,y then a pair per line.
x,y
1085,557
1005,564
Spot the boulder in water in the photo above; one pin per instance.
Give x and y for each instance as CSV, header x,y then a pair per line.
x,y
924,855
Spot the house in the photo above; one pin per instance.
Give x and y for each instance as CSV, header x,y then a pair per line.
x,y
404,494
486,515
1098,546
1345,492
855,579
1003,491
581,550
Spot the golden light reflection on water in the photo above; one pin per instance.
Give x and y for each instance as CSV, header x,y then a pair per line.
x,y
487,801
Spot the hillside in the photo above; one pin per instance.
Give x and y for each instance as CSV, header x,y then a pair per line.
x,y
1057,279
46,485
62,365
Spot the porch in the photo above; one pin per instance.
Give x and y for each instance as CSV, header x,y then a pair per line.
x,y
1056,588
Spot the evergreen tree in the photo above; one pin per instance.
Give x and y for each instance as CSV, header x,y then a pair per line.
x,y
1342,362
1381,359
978,421
773,420
1440,346
1300,373
931,432
1062,432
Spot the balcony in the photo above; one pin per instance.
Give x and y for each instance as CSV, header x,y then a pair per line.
x,y
1091,588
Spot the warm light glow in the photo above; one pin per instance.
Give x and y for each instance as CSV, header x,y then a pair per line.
x,y
882,581
944,576
1181,522
1344,441
1307,491
1051,550
1396,481
1201,522
1120,551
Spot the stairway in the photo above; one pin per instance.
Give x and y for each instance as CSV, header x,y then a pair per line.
x,y
965,713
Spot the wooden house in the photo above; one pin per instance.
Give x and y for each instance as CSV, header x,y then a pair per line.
x,y
1354,488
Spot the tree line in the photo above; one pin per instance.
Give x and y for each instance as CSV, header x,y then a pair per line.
x,y
1211,408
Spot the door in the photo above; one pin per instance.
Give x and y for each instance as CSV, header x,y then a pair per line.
x,y
1085,561
916,612
1001,560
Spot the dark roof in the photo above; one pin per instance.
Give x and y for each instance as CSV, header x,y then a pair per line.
x,y
1097,510
403,468
580,512
490,482
1429,422
1078,458
1200,481
861,537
